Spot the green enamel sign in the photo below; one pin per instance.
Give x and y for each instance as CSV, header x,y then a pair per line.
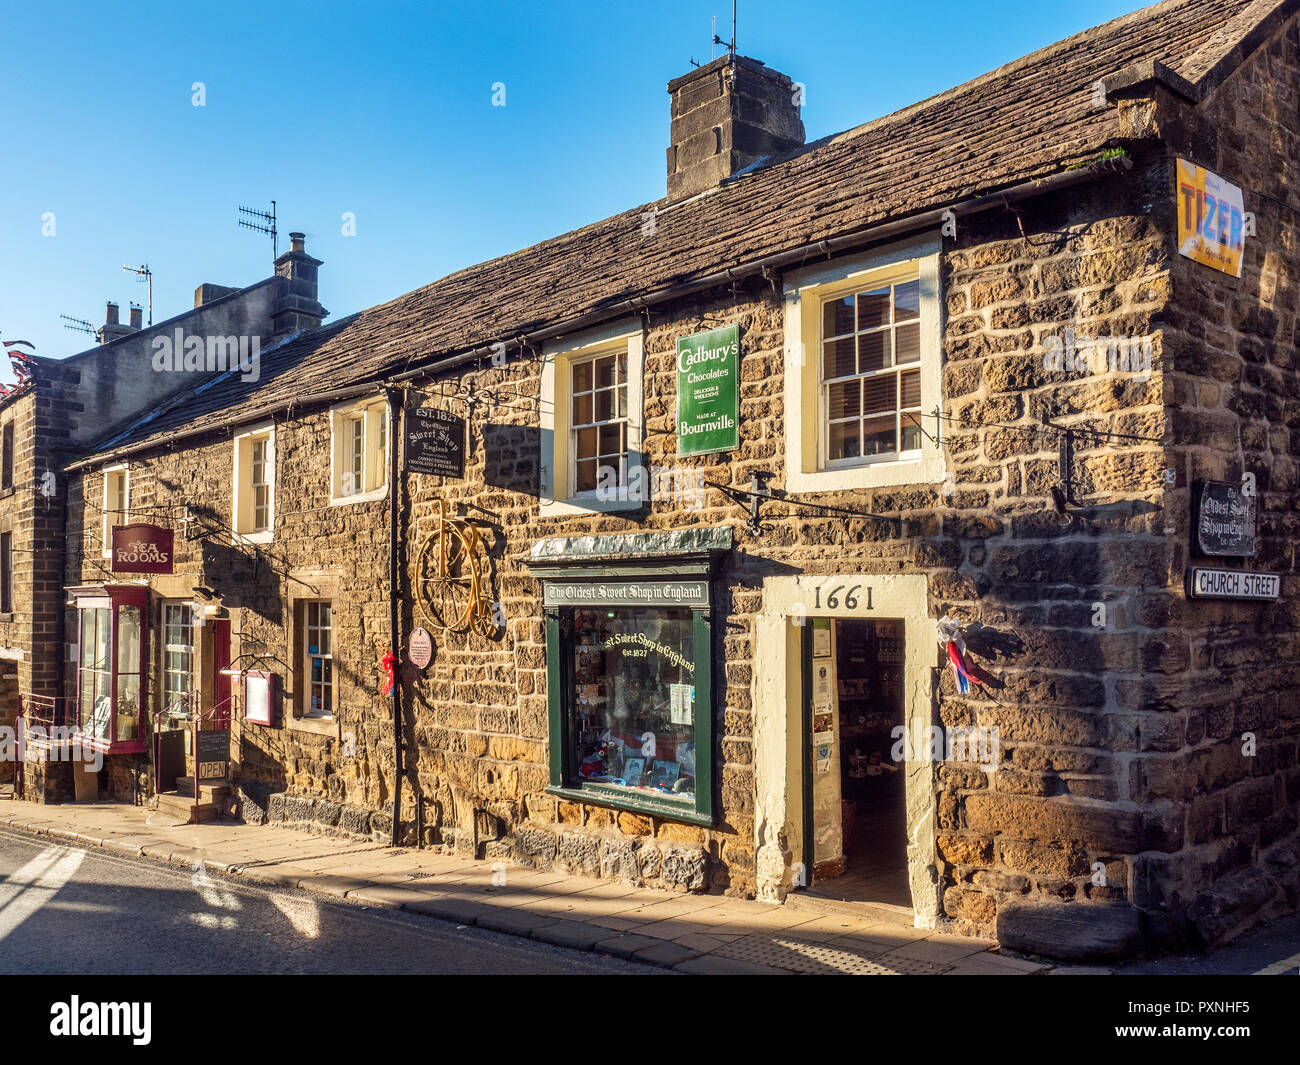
x,y
708,391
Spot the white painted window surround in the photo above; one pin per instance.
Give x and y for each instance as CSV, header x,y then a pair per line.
x,y
805,292
346,486
243,509
117,504
557,496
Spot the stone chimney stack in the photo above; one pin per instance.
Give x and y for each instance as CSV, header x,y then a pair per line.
x,y
726,116
296,305
137,317
207,292
113,328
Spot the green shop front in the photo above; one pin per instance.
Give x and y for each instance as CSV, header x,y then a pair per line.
x,y
630,669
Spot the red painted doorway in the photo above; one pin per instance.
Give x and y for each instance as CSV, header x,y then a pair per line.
x,y
221,673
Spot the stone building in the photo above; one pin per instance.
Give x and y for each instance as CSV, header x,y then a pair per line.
x,y
688,496
67,406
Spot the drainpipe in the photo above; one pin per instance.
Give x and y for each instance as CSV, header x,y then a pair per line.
x,y
394,395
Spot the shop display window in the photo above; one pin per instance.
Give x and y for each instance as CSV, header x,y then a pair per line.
x,y
111,659
632,701
629,668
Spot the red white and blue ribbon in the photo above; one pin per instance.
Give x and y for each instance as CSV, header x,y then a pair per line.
x,y
964,670
959,668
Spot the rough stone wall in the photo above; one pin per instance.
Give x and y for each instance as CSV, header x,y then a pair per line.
x,y
16,519
480,713
1057,812
1232,707
992,550
31,511
344,546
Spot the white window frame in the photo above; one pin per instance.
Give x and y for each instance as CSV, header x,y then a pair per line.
x,y
190,649
376,436
617,419
807,469
111,475
307,629
557,464
242,511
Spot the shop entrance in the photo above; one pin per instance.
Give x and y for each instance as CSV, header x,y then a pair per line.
x,y
854,790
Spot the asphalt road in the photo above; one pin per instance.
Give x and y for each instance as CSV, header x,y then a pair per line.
x,y
66,910
1272,949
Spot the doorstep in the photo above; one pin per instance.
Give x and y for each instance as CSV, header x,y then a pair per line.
x,y
705,934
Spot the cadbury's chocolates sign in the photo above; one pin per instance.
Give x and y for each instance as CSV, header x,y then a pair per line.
x,y
142,548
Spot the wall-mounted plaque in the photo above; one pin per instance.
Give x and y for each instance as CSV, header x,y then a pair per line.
x,y
629,593
708,391
420,648
1212,219
1225,520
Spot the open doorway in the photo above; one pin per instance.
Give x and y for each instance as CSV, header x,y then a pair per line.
x,y
854,789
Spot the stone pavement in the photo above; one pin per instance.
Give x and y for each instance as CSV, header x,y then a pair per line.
x,y
688,933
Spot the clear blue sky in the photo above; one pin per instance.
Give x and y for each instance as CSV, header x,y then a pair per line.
x,y
385,110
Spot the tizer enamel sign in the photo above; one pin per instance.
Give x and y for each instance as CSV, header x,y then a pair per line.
x,y
1212,220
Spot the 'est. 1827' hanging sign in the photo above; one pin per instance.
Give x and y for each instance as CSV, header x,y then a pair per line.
x,y
708,391
435,442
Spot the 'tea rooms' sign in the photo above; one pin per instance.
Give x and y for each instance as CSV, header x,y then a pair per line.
x,y
142,548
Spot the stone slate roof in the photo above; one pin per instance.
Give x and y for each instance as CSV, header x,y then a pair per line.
x,y
1028,119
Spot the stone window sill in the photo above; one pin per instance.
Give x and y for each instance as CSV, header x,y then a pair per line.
x,y
321,726
360,497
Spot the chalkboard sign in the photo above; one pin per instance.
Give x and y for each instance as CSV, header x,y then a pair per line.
x,y
1225,520
212,745
435,442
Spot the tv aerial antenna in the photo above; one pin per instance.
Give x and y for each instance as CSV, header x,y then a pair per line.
x,y
77,325
731,46
144,275
265,225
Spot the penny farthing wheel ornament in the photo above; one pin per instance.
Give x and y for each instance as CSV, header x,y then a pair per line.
x,y
447,576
